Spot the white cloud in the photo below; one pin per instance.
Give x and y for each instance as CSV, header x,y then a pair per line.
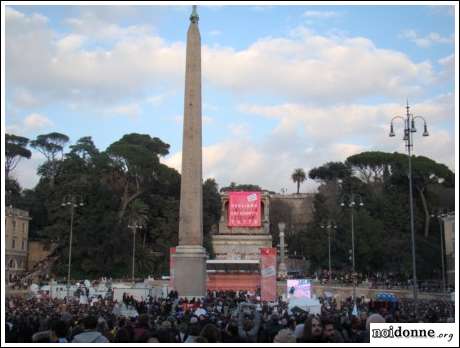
x,y
316,68
303,66
447,67
131,110
245,162
23,98
92,25
37,121
70,42
31,123
426,41
54,68
308,136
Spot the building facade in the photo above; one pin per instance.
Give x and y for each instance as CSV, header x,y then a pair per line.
x,y
16,242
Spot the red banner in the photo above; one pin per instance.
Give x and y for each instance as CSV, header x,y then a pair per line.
x,y
172,252
268,274
244,209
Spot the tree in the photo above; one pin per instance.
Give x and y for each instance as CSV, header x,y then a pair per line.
x,y
84,149
331,171
382,229
241,187
52,147
298,177
134,164
15,150
212,206
372,165
425,172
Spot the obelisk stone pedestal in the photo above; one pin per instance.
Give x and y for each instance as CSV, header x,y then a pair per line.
x,y
190,257
190,271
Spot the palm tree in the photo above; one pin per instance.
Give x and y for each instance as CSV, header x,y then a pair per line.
x,y
299,177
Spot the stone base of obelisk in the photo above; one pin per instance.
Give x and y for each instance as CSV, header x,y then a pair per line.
x,y
190,271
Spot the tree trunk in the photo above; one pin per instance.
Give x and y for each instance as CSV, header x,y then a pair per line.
x,y
298,187
427,213
126,199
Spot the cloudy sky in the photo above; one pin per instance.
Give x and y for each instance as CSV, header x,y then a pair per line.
x,y
284,87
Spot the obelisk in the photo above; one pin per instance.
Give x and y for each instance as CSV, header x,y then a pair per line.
x,y
190,257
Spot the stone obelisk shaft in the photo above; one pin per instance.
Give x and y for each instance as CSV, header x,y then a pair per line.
x,y
190,264
191,196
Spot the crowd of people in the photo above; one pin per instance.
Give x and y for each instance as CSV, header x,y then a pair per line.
x,y
376,280
219,317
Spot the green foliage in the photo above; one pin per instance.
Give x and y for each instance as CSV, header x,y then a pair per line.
x,y
241,187
212,206
298,177
52,147
382,225
15,149
123,185
330,171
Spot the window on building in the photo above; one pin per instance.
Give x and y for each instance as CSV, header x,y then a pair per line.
x,y
23,244
13,243
23,227
14,226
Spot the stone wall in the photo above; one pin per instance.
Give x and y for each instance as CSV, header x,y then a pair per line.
x,y
295,210
342,292
240,247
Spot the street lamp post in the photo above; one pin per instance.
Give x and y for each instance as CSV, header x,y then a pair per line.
x,y
282,271
329,225
134,229
409,128
440,216
71,201
349,200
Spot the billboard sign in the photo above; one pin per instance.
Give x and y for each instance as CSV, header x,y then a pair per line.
x,y
244,209
268,274
299,288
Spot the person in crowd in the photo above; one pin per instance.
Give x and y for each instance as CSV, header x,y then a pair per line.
x,y
211,333
248,323
330,334
312,330
194,330
59,331
90,334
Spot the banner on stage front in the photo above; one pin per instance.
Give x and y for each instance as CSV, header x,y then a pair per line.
x,y
268,274
244,209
